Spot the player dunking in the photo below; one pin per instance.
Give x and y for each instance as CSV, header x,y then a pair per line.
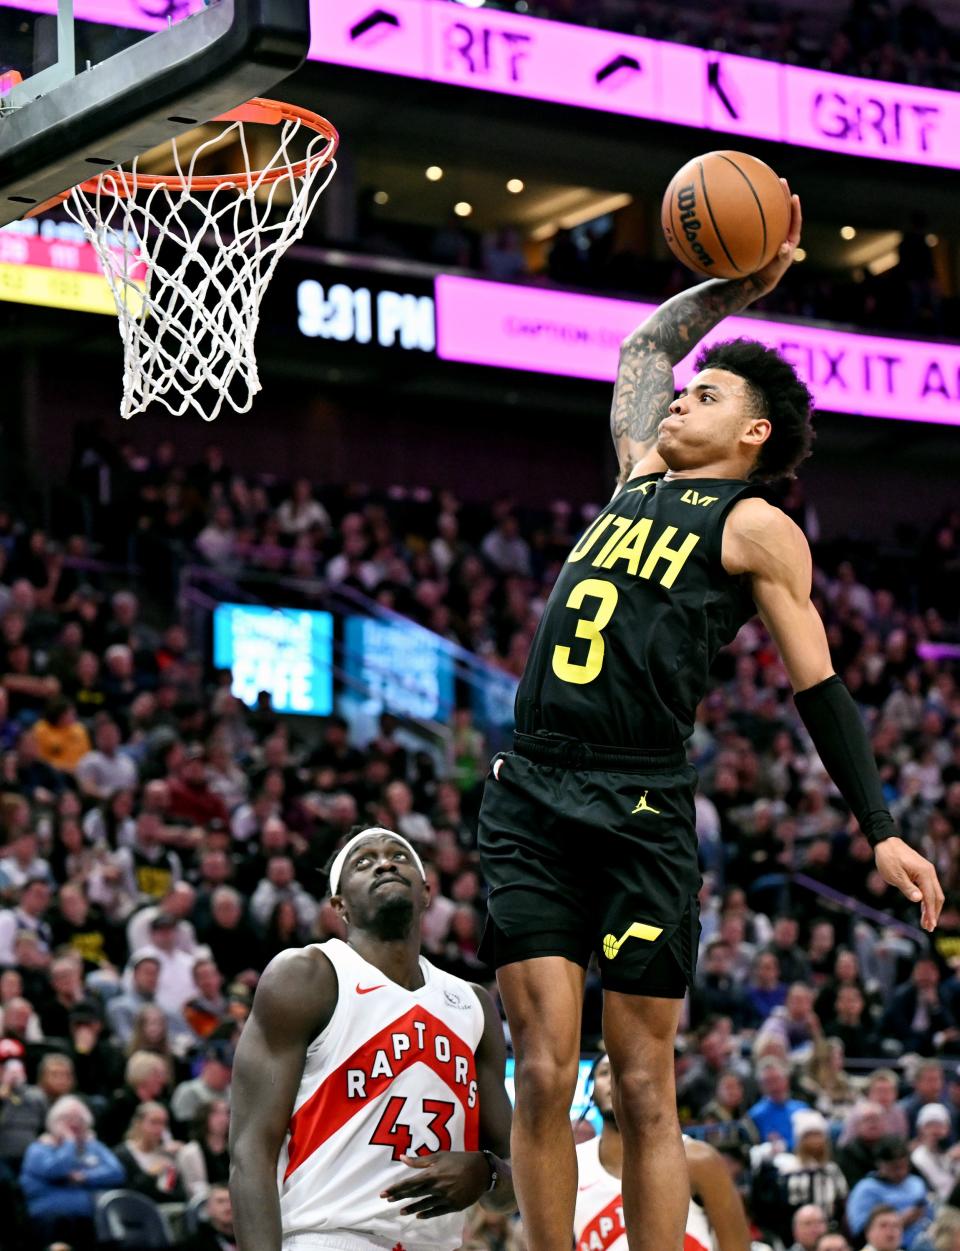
x,y
368,1101
587,834
715,1221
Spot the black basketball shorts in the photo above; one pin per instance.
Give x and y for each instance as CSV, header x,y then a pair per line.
x,y
583,860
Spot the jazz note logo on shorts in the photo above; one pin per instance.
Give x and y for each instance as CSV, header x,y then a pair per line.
x,y
643,806
612,944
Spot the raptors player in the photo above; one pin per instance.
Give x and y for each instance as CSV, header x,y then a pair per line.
x,y
715,1220
368,1101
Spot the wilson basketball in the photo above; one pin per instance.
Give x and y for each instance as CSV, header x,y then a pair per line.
x,y
725,214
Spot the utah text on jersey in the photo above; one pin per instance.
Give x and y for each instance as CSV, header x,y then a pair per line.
x,y
626,539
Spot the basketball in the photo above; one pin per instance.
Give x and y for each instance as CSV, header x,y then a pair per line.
x,y
725,214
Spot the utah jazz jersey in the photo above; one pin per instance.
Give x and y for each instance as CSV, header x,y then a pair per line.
x,y
638,613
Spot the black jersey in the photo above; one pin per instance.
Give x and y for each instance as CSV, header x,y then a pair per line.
x,y
636,618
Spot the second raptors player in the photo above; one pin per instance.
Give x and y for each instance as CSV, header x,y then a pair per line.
x,y
715,1219
368,1101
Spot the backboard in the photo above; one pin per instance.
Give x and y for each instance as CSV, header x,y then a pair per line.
x,y
62,124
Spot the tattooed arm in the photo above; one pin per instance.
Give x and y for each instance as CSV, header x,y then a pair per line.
x,y
645,384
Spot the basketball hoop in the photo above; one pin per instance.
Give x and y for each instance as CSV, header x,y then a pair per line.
x,y
189,256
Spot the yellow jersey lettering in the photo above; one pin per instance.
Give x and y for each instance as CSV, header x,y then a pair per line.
x,y
676,558
630,548
690,496
620,524
589,538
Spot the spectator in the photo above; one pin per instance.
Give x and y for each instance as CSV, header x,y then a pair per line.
x,y
191,799
766,991
936,1162
216,1228
793,965
810,1177
66,982
882,1088
208,1007
22,864
832,1242
808,1226
145,1080
204,1161
884,1229
62,1173
23,1110
231,940
773,1114
412,825
849,1024
96,1063
716,992
894,1185
61,739
175,983
148,1155
506,550
928,1088
124,1009
859,1144
179,903
28,917
56,1077
148,867
918,1014
301,512
279,884
105,769
213,1083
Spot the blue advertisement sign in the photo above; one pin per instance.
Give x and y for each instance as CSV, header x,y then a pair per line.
x,y
400,667
286,651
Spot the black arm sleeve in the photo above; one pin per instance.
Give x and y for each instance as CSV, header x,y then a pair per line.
x,y
831,716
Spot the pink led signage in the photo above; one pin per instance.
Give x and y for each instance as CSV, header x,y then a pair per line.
x,y
644,78
578,336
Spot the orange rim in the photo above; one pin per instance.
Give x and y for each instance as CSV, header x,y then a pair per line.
x,y
123,184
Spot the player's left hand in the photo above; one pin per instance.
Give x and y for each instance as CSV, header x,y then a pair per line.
x,y
770,275
446,1182
912,875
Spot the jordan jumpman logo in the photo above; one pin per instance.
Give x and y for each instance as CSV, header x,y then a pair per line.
x,y
643,806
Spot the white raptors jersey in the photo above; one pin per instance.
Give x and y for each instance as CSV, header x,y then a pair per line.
x,y
598,1219
392,1074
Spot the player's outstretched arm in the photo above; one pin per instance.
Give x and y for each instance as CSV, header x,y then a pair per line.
x,y
295,999
645,386
449,1181
710,1180
761,542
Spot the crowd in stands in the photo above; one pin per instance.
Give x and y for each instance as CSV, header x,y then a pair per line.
x,y
911,41
160,842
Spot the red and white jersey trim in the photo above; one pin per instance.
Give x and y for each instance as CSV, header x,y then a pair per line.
x,y
393,1074
598,1218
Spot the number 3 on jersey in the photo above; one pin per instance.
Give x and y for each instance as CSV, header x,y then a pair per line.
x,y
587,628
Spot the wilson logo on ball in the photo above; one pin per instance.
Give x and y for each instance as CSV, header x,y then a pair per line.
x,y
687,204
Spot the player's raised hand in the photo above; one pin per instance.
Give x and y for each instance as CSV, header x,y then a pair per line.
x,y
912,875
445,1182
770,275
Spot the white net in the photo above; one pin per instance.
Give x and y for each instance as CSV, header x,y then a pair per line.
x,y
188,265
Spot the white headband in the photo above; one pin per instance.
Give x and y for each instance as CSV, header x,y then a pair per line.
x,y
336,869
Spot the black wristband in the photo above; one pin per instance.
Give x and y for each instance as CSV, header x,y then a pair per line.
x,y
831,716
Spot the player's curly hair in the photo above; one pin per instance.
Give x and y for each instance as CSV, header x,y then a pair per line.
x,y
778,394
